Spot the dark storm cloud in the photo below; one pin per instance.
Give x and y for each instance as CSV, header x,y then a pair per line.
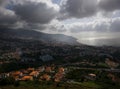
x,y
78,8
35,12
38,14
87,8
109,5
1,1
7,16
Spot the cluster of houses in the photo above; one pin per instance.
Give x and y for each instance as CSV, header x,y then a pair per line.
x,y
44,73
111,63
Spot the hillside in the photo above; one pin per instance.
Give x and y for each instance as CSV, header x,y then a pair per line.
x,y
34,35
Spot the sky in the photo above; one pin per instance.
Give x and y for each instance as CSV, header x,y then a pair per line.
x,y
93,22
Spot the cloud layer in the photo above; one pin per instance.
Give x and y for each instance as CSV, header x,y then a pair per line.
x,y
35,12
69,16
78,8
109,5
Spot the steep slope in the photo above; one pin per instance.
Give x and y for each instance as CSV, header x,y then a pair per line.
x,y
30,34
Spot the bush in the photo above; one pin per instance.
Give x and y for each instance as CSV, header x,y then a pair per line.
x,y
7,81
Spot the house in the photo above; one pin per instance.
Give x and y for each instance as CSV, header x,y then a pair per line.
x,y
16,73
45,77
41,69
61,70
48,69
17,78
57,80
58,77
34,73
113,77
111,63
90,76
25,71
25,78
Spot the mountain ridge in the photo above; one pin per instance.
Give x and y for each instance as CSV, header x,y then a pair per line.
x,y
35,35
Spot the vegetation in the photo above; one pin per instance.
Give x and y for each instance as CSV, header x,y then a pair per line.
x,y
102,80
46,85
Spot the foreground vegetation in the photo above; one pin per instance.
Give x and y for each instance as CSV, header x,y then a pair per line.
x,y
51,85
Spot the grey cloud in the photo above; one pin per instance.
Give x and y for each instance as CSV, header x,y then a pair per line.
x,y
109,5
57,28
78,8
3,2
108,25
38,15
37,26
77,28
87,8
112,25
115,25
7,17
33,12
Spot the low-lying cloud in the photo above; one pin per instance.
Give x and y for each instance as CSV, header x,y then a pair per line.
x,y
44,14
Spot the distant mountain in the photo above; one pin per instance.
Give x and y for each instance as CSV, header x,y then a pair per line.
x,y
35,35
